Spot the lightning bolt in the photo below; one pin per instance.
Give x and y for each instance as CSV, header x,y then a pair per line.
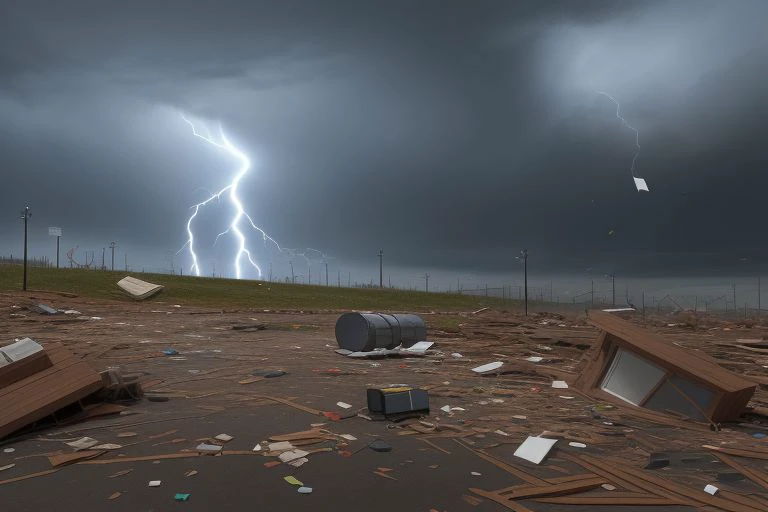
x,y
624,122
232,188
240,213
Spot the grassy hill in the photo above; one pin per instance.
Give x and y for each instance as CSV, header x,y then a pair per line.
x,y
215,292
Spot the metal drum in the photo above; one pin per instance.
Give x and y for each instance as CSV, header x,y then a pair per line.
x,y
364,332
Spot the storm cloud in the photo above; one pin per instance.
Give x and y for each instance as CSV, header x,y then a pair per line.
x,y
449,134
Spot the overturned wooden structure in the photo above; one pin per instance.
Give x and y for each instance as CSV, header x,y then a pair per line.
x,y
637,366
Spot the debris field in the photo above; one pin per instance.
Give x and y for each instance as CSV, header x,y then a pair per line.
x,y
255,407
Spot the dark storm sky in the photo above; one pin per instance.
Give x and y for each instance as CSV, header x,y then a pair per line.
x,y
449,133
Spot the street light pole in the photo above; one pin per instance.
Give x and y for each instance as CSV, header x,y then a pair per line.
x,y
524,252
25,214
112,246
381,268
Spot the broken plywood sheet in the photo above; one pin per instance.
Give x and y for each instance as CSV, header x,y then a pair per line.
x,y
32,398
137,288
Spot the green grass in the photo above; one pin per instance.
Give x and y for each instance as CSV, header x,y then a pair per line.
x,y
223,293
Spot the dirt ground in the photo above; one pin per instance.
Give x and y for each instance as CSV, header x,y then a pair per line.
x,y
207,389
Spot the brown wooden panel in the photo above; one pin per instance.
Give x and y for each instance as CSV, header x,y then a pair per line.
x,y
37,396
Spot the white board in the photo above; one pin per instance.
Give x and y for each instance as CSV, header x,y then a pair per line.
x,y
488,367
137,288
19,350
535,448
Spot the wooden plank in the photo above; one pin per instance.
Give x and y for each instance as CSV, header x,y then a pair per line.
x,y
609,500
750,454
296,436
570,478
695,495
572,487
511,505
71,458
598,470
752,474
291,404
25,477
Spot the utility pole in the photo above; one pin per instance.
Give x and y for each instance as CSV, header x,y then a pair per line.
x,y
381,268
270,271
309,274
734,296
293,276
338,277
25,214
326,273
524,253
349,279
112,246
103,252
426,279
592,300
126,262
57,233
390,280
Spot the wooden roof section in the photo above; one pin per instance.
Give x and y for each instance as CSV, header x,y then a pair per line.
x,y
661,350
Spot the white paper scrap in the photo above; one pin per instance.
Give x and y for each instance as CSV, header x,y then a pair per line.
x,y
7,466
257,448
224,437
475,473
711,489
535,448
292,455
154,483
577,445
281,446
299,462
567,397
420,346
108,446
641,184
446,408
501,433
559,384
456,355
344,405
83,443
348,437
205,447
488,367
534,359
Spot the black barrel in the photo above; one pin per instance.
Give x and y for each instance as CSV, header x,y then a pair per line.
x,y
363,332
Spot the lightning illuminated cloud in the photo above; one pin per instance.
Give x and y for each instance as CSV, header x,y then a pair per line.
x,y
639,182
240,213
